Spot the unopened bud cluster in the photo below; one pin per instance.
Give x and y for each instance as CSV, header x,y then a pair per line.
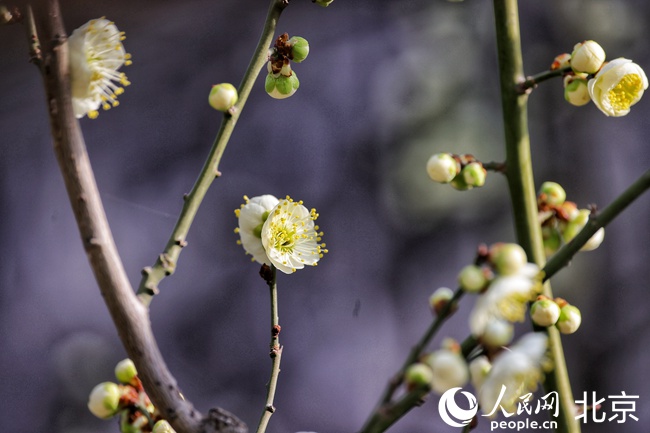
x,y
281,81
128,400
562,220
438,371
506,282
613,86
558,312
462,172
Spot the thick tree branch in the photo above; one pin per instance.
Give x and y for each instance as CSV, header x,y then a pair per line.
x,y
129,315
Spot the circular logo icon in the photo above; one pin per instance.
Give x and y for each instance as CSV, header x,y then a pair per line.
x,y
454,415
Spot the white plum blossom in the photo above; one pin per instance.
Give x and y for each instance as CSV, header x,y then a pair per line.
x,y
514,372
252,215
618,86
290,237
506,299
281,233
96,53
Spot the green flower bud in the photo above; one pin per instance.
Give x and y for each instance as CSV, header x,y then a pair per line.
x,y
497,333
570,319
439,299
130,425
588,57
281,87
472,279
223,96
125,371
299,48
459,183
104,400
552,240
576,224
417,375
323,3
474,174
507,259
576,91
544,312
552,193
162,426
442,167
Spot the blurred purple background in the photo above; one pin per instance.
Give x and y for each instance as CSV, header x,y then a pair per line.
x,y
387,84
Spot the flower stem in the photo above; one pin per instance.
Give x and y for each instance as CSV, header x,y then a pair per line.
x,y
275,353
519,172
385,414
532,82
166,262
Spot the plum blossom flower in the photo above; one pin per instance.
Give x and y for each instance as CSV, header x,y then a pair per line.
x,y
252,215
96,53
505,299
290,237
514,372
617,86
281,233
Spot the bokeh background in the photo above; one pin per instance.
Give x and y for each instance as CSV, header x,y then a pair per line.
x,y
387,84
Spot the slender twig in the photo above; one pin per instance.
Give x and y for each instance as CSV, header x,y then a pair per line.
x,y
389,414
498,167
166,263
275,352
32,37
414,355
519,172
531,82
131,318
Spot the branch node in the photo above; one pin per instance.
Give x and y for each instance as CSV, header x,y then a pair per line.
x,y
266,273
146,271
167,263
275,331
181,242
270,408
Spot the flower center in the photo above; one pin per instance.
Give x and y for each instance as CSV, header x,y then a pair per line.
x,y
625,92
283,237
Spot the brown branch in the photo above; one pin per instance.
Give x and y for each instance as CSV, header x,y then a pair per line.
x,y
131,318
